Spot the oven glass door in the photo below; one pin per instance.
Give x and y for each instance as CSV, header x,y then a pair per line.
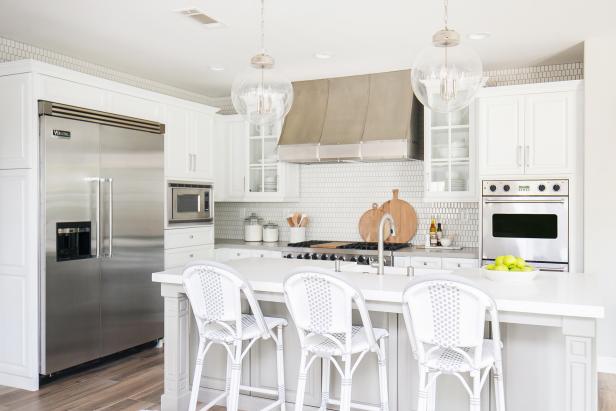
x,y
534,228
190,204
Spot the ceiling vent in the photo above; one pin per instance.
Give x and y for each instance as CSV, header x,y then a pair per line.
x,y
200,17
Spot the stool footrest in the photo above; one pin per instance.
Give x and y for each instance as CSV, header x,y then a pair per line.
x,y
357,405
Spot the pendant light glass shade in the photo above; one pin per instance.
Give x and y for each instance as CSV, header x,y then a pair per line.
x,y
447,75
446,79
261,95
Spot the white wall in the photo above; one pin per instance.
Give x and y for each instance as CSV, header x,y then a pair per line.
x,y
600,184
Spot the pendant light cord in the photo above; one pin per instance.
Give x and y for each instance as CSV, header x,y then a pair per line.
x,y
263,26
446,14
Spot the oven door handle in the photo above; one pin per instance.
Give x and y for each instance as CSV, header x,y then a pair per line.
x,y
524,201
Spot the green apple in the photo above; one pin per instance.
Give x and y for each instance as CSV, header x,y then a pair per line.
x,y
501,267
515,268
509,260
528,268
499,260
520,263
490,266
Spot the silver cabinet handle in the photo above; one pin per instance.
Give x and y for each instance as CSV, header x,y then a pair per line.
x,y
191,255
195,163
425,263
189,162
191,236
527,156
519,155
524,201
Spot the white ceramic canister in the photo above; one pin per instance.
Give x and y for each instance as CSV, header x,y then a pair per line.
x,y
253,228
297,234
270,233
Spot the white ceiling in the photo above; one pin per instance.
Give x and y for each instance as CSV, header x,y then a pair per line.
x,y
145,38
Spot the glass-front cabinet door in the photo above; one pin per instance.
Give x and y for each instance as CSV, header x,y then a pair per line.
x,y
263,172
449,156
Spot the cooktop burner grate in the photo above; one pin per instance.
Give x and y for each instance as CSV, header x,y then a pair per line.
x,y
373,246
304,244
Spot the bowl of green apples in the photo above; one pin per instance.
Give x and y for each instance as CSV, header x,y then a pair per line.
x,y
510,268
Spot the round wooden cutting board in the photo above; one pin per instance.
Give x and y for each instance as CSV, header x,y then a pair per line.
x,y
369,224
405,217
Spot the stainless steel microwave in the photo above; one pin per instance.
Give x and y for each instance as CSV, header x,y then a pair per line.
x,y
189,202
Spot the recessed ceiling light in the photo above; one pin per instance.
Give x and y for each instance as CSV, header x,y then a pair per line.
x,y
217,68
479,36
322,55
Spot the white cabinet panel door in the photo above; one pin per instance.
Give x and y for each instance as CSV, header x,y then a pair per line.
x,y
131,106
203,167
550,133
74,94
236,161
189,237
18,279
178,257
178,160
501,135
16,113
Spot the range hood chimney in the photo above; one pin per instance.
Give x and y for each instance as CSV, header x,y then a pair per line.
x,y
370,117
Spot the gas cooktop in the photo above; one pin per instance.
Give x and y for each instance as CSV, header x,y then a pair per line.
x,y
361,245
359,252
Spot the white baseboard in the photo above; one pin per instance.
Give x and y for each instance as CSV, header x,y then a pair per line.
x,y
606,365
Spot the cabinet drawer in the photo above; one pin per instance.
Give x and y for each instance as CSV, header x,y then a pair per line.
x,y
178,257
459,263
267,254
433,263
188,237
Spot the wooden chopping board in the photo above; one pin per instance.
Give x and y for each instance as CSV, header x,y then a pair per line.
x,y
369,224
333,244
405,217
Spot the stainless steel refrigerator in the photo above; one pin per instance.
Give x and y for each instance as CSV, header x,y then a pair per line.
x,y
102,193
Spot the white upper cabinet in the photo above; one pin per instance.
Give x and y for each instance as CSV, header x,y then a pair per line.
x,y
530,129
131,106
17,146
550,132
450,161
72,93
188,144
246,163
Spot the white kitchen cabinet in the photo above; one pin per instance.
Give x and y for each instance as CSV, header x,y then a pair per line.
x,y
17,134
132,106
72,93
530,129
246,163
228,254
449,155
189,237
188,144
459,263
178,257
19,300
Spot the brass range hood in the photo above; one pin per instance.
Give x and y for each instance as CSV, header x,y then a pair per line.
x,y
372,117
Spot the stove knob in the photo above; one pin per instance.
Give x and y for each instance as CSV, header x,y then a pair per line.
x,y
315,256
332,257
288,256
341,257
299,257
361,259
353,259
541,187
492,188
307,256
323,256
506,187
556,187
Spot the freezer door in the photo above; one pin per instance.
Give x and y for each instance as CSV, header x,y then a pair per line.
x,y
132,221
70,280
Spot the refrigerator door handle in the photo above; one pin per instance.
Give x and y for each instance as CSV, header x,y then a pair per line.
x,y
110,181
98,217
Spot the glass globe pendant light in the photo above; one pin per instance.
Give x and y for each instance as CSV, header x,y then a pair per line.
x,y
260,94
447,75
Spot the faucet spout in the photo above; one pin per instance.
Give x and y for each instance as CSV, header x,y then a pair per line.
x,y
386,217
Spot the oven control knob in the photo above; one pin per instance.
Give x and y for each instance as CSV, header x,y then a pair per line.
x,y
299,257
492,188
341,258
353,259
323,256
541,187
307,256
315,256
288,256
556,187
332,257
506,187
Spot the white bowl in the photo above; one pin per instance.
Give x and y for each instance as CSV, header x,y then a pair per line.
x,y
446,242
510,276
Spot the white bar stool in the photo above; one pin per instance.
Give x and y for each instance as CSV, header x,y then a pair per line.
x,y
214,291
445,317
321,305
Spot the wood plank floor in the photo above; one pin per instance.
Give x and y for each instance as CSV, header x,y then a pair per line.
x,y
135,383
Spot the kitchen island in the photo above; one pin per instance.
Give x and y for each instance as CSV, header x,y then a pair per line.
x,y
548,331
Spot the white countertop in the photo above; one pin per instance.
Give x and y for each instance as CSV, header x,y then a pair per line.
x,y
561,294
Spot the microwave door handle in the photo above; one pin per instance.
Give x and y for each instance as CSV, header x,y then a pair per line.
x,y
199,203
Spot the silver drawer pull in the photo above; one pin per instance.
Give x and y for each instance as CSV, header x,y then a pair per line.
x,y
191,255
192,236
459,265
425,263
238,254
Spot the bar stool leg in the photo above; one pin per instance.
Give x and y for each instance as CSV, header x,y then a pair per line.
x,y
346,385
301,382
475,400
422,395
280,368
236,371
499,386
197,377
382,361
326,362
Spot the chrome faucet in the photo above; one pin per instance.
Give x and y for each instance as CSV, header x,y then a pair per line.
x,y
386,217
